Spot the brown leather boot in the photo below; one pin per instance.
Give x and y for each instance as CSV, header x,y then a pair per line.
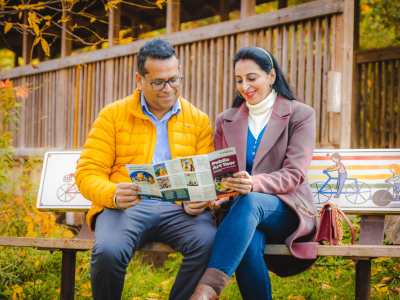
x,y
204,292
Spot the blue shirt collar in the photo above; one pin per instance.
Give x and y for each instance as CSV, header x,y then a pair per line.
x,y
175,110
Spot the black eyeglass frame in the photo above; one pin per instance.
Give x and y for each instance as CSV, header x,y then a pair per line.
x,y
165,82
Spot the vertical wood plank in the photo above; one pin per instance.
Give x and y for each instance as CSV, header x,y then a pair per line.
x,y
278,45
317,75
134,72
302,62
285,51
384,103
193,85
225,87
102,85
270,45
173,16
293,57
262,39
218,79
125,78
211,91
199,99
398,104
392,118
187,72
206,78
371,108
378,139
131,75
310,57
232,84
365,96
183,64
326,68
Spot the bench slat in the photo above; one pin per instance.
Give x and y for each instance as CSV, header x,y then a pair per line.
x,y
65,244
326,250
349,251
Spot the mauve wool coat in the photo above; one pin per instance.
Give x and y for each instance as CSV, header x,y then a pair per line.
x,y
280,168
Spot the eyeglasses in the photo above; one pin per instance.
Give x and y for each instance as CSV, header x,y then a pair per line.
x,y
160,85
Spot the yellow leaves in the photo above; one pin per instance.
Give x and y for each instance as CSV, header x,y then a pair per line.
x,y
159,3
320,268
17,289
137,298
31,226
7,84
58,291
165,284
7,27
380,259
62,20
298,297
153,295
45,47
375,271
68,234
46,18
77,278
27,219
86,286
73,27
37,263
37,218
348,283
92,20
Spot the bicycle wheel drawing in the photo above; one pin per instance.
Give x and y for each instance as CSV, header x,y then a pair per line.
x,y
382,198
67,192
360,197
321,196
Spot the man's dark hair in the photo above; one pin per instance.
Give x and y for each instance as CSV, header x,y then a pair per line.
x,y
155,49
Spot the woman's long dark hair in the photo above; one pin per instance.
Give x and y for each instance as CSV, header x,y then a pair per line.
x,y
263,61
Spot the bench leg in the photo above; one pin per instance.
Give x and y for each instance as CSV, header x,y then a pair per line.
x,y
68,275
363,280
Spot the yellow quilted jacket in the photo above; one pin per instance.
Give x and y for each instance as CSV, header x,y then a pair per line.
x,y
121,135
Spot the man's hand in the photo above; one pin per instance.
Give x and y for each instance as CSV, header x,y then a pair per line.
x,y
194,208
216,204
126,195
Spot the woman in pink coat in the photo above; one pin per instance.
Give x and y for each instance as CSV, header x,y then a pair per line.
x,y
274,137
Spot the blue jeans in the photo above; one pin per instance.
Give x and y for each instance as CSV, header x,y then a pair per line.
x,y
255,219
340,182
118,234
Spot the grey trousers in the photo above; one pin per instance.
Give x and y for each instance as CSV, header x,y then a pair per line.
x,y
118,234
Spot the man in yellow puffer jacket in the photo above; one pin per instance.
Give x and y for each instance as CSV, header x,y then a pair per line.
x,y
150,126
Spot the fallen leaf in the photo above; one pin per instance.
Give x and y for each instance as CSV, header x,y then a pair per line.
x,y
16,288
320,268
386,279
58,291
37,218
27,219
155,295
379,285
395,290
37,263
299,297
137,298
337,275
348,283
326,286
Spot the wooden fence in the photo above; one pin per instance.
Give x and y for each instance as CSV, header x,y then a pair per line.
x,y
377,98
308,41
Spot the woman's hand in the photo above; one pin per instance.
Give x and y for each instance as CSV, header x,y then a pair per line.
x,y
216,204
241,182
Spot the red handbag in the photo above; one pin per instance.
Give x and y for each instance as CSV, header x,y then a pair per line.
x,y
331,228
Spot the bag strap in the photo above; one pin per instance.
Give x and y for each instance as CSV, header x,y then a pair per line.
x,y
350,225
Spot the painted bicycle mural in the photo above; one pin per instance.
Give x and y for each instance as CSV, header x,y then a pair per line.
x,y
368,179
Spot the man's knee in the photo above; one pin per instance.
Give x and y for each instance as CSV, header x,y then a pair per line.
x,y
200,242
109,255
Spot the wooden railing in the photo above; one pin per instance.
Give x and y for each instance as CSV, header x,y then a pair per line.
x,y
377,98
307,40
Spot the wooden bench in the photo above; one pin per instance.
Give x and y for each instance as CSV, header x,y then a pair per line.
x,y
371,230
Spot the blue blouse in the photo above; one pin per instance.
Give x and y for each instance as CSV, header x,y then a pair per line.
x,y
252,147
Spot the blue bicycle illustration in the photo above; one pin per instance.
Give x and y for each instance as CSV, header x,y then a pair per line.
x,y
356,192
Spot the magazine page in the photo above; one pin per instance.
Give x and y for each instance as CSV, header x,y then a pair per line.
x,y
144,176
223,164
185,179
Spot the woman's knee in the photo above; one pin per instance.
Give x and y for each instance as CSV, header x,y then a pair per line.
x,y
254,200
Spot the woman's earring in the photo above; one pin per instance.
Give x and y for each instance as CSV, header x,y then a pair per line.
x,y
239,94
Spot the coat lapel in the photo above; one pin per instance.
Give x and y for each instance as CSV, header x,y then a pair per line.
x,y
276,124
235,133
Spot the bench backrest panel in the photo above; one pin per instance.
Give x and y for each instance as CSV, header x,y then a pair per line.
x,y
363,175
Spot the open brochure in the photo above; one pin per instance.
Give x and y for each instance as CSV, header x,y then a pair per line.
x,y
192,178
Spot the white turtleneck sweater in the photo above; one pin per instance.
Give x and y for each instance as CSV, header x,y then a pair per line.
x,y
260,113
